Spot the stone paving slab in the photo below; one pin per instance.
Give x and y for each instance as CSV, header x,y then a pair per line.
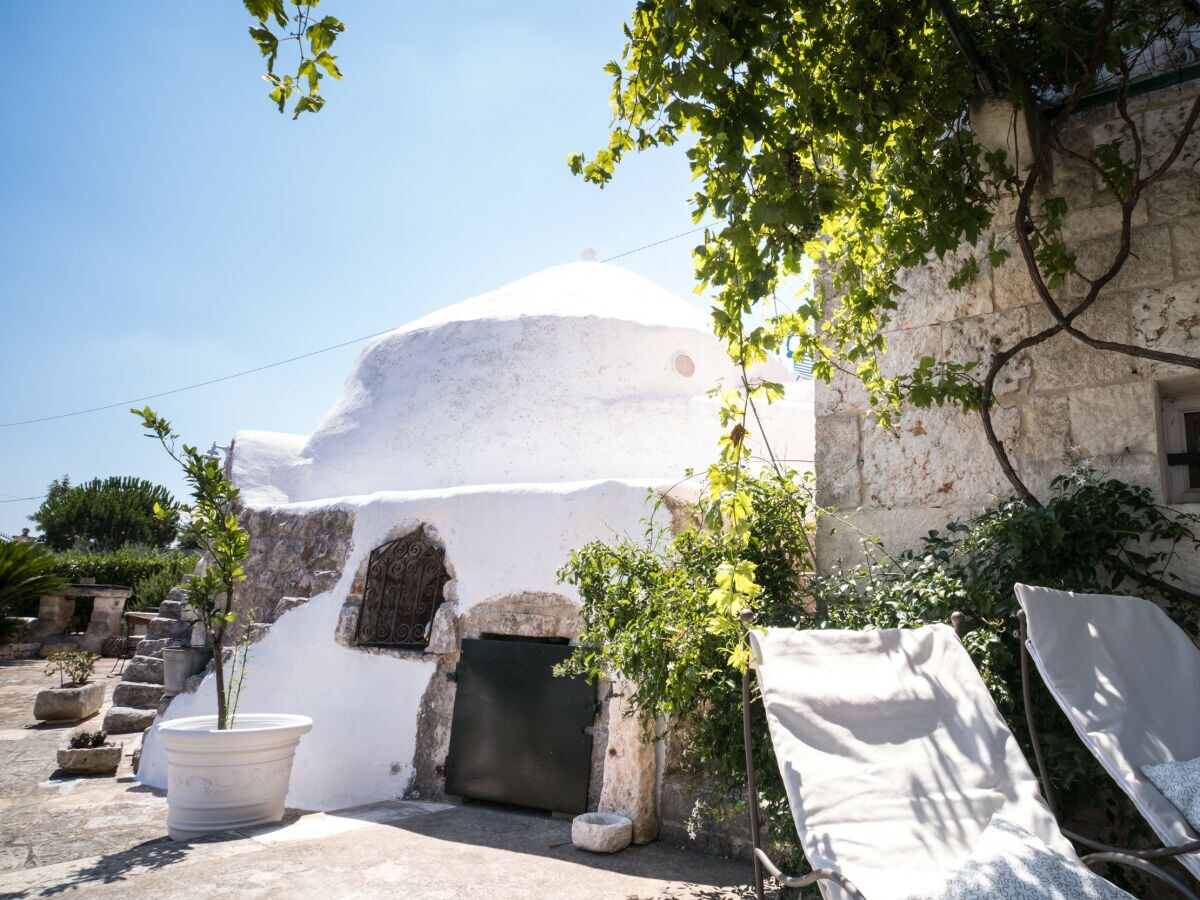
x,y
106,836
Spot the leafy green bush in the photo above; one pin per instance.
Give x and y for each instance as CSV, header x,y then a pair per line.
x,y
83,740
647,614
149,572
71,666
26,572
151,591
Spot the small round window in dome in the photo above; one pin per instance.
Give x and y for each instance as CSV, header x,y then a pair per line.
x,y
683,364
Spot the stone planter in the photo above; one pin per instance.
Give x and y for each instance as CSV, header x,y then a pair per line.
x,y
220,780
90,760
69,704
180,664
601,832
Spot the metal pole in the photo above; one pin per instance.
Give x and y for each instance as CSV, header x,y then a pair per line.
x,y
1027,695
747,617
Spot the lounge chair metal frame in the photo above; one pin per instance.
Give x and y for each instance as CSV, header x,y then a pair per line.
x,y
1135,859
1103,852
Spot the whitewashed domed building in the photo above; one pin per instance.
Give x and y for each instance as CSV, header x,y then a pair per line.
x,y
468,453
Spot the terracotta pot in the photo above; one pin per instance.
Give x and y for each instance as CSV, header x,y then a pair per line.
x,y
220,780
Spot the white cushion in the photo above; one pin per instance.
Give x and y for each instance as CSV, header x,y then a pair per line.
x,y
1179,782
1009,863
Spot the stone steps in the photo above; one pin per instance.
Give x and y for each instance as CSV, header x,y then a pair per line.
x,y
144,669
170,609
128,719
136,700
152,647
169,629
139,694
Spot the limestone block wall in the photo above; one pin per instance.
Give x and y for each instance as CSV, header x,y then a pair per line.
x,y
1057,397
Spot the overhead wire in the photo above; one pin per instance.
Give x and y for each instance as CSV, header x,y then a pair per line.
x,y
282,362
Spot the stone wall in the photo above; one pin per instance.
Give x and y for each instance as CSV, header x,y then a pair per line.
x,y
1058,397
292,556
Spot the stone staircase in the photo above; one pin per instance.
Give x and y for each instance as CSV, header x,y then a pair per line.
x,y
136,700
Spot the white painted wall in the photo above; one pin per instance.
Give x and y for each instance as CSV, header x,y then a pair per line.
x,y
498,540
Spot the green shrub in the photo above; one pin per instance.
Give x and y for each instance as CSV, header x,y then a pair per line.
x,y
83,740
151,591
146,571
26,572
71,666
1093,535
646,615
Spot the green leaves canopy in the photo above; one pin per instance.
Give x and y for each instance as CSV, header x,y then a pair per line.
x,y
319,34
840,131
104,515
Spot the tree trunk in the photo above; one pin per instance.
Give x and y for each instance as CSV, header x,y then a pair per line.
x,y
219,660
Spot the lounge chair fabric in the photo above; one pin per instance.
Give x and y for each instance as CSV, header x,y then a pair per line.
x,y
1009,863
1128,679
893,754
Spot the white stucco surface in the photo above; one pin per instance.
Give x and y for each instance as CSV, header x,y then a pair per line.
x,y
499,540
569,374
516,427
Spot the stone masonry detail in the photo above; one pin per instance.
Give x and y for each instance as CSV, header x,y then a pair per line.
x,y
1057,398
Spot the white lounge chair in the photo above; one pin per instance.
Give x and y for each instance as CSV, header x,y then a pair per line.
x,y
1128,679
895,761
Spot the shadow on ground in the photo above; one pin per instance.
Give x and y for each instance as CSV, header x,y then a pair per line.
x,y
518,830
118,867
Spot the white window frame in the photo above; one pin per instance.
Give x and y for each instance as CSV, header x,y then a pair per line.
x,y
1179,491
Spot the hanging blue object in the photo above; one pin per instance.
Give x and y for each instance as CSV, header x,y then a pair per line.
x,y
801,365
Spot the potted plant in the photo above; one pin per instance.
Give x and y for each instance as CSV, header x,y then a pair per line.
x,y
89,753
75,698
224,771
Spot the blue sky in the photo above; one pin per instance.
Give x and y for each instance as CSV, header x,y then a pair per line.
x,y
161,224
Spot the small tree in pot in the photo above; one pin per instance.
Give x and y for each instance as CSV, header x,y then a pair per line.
x,y
222,774
211,525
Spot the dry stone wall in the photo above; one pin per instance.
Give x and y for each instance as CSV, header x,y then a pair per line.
x,y
293,555
1055,398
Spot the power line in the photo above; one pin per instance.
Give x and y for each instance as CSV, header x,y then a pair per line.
x,y
673,237
282,362
23,499
191,387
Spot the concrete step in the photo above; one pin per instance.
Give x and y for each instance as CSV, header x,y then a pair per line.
x,y
170,609
144,669
152,647
139,694
128,720
168,628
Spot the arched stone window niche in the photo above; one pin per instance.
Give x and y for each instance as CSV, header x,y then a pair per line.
x,y
403,590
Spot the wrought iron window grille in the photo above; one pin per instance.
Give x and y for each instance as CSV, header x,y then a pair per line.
x,y
405,580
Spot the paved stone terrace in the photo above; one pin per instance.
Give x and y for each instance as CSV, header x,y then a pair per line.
x,y
106,836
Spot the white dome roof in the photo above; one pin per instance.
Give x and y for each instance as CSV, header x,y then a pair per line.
x,y
581,372
573,290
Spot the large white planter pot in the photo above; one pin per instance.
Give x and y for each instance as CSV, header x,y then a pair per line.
x,y
219,780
